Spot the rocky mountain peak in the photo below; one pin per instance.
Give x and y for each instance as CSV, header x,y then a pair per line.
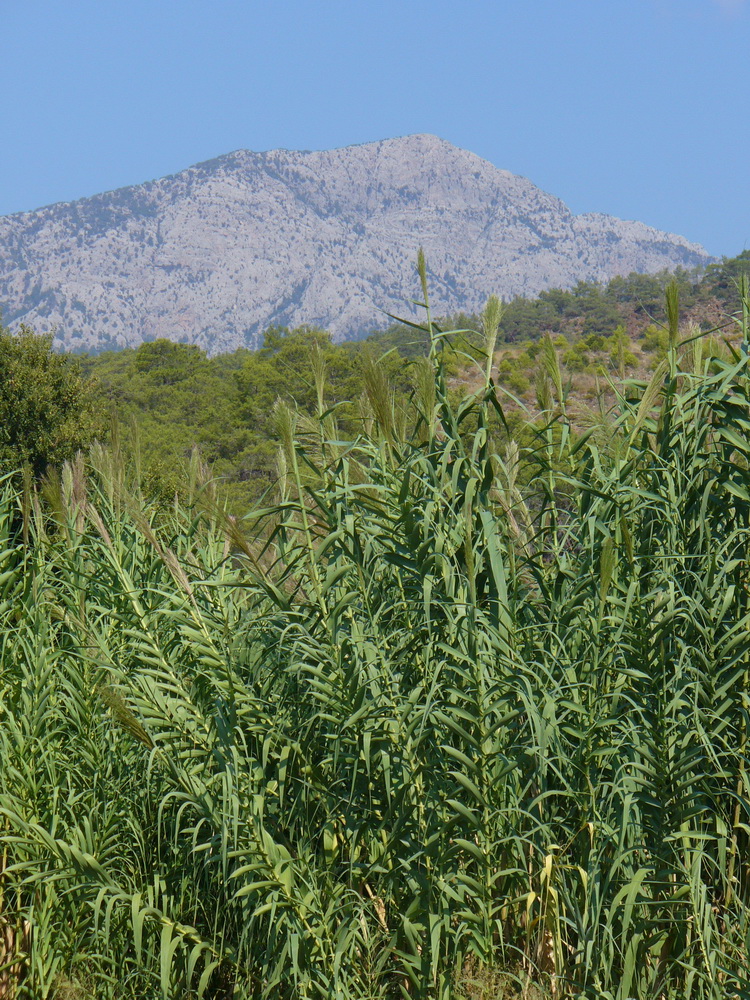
x,y
218,252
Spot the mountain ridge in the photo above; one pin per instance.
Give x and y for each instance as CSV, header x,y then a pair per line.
x,y
217,252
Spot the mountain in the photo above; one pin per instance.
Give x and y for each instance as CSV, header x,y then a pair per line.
x,y
215,254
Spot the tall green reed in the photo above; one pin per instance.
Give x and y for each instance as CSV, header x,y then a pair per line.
x,y
421,717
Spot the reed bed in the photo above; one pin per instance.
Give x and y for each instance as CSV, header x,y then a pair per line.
x,y
448,719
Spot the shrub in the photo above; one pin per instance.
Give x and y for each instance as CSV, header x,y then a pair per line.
x,y
655,340
518,382
575,358
46,405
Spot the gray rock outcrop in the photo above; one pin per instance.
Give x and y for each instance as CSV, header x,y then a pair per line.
x,y
218,252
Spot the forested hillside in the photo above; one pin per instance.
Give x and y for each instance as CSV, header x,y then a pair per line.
x,y
167,399
170,398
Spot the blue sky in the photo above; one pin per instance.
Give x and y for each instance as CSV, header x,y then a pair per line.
x,y
638,108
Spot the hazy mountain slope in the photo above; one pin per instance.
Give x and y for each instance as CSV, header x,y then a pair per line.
x,y
216,253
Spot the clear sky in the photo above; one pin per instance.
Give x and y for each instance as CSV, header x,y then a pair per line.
x,y
637,108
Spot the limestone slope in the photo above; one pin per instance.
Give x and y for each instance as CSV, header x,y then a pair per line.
x,y
217,253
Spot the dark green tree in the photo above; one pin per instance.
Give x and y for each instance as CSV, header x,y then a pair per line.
x,y
46,405
722,277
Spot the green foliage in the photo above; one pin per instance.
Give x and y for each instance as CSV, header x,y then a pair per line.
x,y
46,406
284,369
576,358
171,399
518,382
166,363
655,340
441,721
591,308
722,278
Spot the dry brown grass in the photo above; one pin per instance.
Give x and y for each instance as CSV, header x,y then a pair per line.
x,y
478,983
590,392
14,946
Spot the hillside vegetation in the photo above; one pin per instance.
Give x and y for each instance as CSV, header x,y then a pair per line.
x,y
167,399
171,398
448,718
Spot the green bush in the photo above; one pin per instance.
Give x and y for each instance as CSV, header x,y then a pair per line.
x,y
524,359
518,382
46,404
622,357
575,358
655,340
595,342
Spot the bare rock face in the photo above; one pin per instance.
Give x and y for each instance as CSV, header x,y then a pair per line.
x,y
219,252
